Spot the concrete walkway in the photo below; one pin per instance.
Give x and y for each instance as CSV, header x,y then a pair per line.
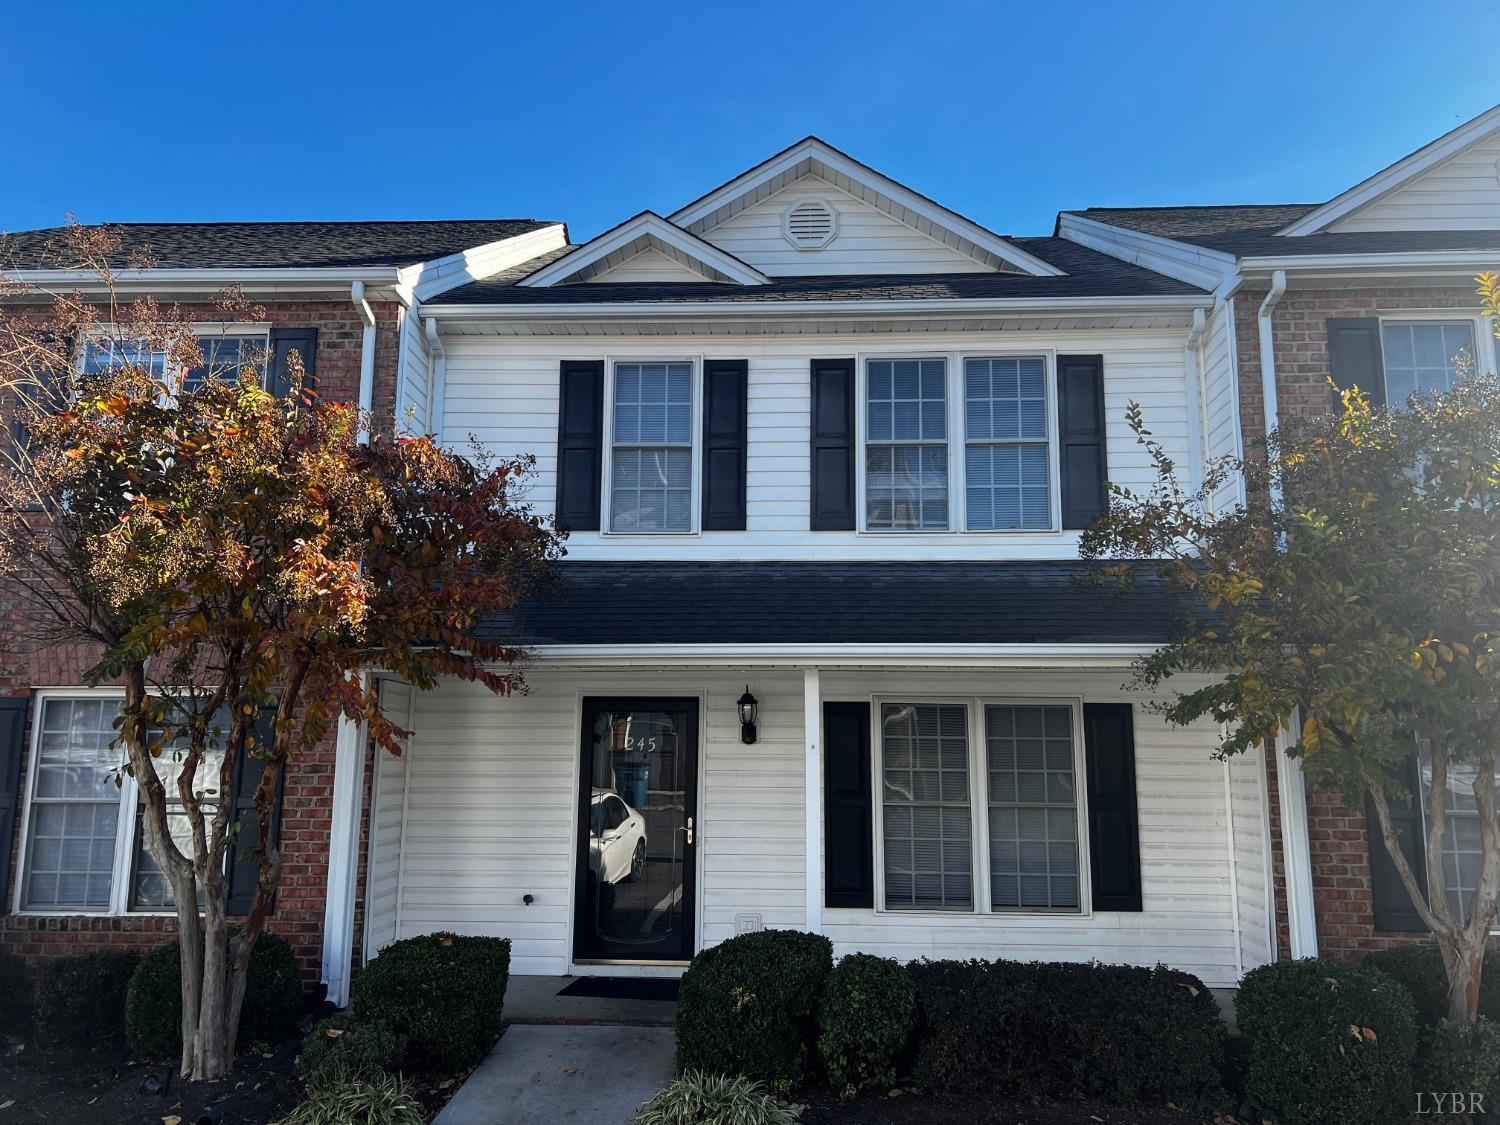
x,y
542,1074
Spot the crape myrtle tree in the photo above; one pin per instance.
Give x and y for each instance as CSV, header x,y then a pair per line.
x,y
1352,606
224,554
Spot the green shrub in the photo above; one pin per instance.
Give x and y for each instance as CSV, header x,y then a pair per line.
x,y
1329,1041
80,1001
869,1006
1419,966
340,1046
268,1018
1113,1032
15,995
749,1006
1462,1058
442,991
713,1099
359,1099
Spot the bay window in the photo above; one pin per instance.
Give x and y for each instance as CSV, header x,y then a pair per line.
x,y
651,457
1019,800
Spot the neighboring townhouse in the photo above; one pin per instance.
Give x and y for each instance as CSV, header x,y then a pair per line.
x,y
823,658
74,874
1374,287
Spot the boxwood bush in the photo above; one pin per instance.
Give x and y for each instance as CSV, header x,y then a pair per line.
x,y
1329,1041
1113,1032
1459,1057
1419,966
80,1001
15,995
268,1018
337,1048
869,1006
443,992
750,1007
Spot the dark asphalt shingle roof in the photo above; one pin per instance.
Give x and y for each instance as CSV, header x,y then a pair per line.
x,y
271,245
1087,273
735,603
1249,231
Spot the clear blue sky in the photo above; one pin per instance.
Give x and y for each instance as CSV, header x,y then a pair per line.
x,y
591,112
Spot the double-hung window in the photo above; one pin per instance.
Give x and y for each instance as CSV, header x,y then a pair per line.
x,y
906,445
1007,467
1462,848
1013,803
225,352
1425,356
85,846
651,459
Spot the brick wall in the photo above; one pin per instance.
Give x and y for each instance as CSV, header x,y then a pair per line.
x,y
306,810
1339,843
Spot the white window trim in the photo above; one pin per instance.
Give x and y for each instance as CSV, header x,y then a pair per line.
x,y
1486,347
979,808
203,329
606,486
125,828
957,439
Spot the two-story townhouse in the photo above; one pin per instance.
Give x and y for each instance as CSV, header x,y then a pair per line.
x,y
74,875
1374,287
822,657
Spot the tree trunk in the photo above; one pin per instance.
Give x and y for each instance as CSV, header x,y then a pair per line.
x,y
1464,960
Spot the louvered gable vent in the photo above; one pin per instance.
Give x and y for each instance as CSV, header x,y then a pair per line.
x,y
810,224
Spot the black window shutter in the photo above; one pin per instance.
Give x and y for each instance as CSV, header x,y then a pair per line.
x,y
12,749
1114,844
1080,428
832,445
283,341
848,851
1394,912
580,443
244,869
1355,357
725,438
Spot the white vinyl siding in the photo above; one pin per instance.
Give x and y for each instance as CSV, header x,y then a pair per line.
x,y
1425,356
1460,193
926,816
906,447
1007,466
504,391
651,467
648,266
413,378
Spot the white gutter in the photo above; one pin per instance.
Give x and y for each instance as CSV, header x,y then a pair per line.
x,y
1415,259
1268,352
437,378
342,275
842,655
685,310
366,354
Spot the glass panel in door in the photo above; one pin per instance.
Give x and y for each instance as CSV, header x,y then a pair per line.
x,y
637,830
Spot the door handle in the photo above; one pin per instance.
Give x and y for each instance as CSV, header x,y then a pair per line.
x,y
688,829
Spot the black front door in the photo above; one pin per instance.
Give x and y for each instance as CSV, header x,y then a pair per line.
x,y
637,817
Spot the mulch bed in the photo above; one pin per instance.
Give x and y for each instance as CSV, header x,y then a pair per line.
x,y
110,1086
824,1107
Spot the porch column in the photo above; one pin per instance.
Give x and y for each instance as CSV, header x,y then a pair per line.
x,y
343,859
812,729
1296,851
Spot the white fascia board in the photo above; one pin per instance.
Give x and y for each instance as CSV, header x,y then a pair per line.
x,y
1196,265
842,655
684,310
936,213
647,223
1403,171
429,279
1357,265
341,277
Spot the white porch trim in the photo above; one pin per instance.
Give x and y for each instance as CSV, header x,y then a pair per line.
x,y
1296,851
343,860
812,729
839,655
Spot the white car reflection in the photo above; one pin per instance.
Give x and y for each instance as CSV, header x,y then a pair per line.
x,y
617,839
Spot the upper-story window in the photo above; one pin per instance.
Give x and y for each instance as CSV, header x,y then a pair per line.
x,y
651,461
906,450
225,352
1004,476
1425,356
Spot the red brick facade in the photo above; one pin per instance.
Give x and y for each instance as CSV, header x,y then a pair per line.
x,y
307,805
1338,840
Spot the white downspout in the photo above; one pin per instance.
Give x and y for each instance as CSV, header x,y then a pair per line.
x,y
437,379
1268,360
366,354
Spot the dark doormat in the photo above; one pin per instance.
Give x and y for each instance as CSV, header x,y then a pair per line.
x,y
625,988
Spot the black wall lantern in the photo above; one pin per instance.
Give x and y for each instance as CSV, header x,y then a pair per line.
x,y
748,706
